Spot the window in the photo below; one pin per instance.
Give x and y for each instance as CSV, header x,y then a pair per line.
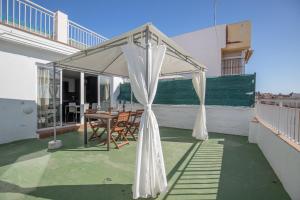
x,y
233,66
44,97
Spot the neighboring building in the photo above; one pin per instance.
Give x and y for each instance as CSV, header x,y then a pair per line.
x,y
223,49
295,95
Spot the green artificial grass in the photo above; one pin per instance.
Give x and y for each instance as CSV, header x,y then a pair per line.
x,y
224,167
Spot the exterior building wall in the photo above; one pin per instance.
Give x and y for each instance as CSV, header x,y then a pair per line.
x,y
211,45
19,54
205,45
238,36
59,50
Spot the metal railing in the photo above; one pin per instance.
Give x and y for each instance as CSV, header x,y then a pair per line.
x,y
31,17
26,15
81,37
233,66
283,118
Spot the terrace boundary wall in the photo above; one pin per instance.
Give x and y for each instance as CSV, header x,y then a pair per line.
x,y
220,119
283,158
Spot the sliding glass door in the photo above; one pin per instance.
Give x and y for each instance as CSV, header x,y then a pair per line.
x,y
45,93
105,93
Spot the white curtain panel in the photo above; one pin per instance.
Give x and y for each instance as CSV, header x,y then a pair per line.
x,y
200,130
44,92
150,176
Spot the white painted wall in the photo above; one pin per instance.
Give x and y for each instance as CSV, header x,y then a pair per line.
x,y
61,27
18,81
19,53
24,38
220,119
205,45
284,159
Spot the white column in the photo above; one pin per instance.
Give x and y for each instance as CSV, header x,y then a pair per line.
x,y
61,27
61,97
82,96
98,90
111,92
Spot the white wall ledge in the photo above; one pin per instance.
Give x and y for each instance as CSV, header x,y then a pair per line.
x,y
220,119
282,156
22,37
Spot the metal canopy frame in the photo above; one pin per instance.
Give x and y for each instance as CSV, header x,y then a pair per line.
x,y
154,35
149,33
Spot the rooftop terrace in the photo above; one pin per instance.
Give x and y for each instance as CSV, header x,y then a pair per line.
x,y
224,167
30,17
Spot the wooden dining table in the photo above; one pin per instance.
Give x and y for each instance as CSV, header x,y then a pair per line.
x,y
104,116
99,116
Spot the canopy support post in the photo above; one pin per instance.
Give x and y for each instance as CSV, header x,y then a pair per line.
x,y
54,144
131,99
54,102
147,57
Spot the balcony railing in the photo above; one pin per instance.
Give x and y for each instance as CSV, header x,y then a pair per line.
x,y
28,16
282,117
81,37
233,66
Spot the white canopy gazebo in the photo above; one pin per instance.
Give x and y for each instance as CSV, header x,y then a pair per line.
x,y
143,55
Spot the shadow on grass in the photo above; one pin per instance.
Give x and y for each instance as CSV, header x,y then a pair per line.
x,y
32,148
224,168
245,172
22,150
176,135
74,192
194,182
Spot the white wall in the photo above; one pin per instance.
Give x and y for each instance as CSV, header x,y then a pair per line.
x,y
205,45
18,82
220,119
61,27
19,53
284,159
27,39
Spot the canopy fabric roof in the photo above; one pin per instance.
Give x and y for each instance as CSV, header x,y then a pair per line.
x,y
108,59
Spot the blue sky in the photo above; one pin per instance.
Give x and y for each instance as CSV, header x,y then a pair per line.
x,y
275,28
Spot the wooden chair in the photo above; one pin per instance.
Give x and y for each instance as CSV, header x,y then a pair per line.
x,y
120,127
95,125
73,111
134,125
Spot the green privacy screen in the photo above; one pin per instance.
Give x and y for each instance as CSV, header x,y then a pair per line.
x,y
236,90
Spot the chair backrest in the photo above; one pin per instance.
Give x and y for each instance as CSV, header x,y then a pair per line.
x,y
122,119
86,106
138,115
94,106
110,109
72,107
139,112
90,111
